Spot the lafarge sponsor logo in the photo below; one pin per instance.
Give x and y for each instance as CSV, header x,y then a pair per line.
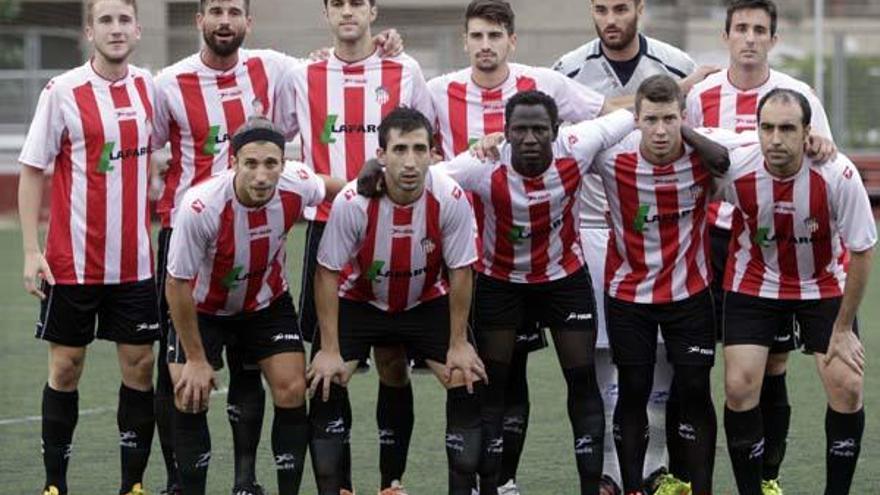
x,y
765,236
109,154
331,128
644,218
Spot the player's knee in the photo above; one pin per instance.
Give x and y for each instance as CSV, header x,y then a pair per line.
x,y
290,392
742,389
776,364
845,390
137,366
694,382
65,370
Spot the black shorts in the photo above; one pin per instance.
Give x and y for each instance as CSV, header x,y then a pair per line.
x,y
308,316
688,328
564,304
757,320
256,335
423,330
126,313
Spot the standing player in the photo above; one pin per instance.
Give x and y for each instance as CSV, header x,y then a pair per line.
x,y
401,265
615,64
227,284
798,221
729,99
339,105
202,100
93,124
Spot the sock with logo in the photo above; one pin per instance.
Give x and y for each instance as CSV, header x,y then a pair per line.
x,y
587,415
395,419
843,432
134,417
245,405
776,412
290,436
493,418
163,410
745,444
655,451
463,437
60,413
677,465
192,448
327,444
516,416
631,422
698,426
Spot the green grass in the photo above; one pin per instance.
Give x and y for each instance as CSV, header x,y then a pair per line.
x,y
547,465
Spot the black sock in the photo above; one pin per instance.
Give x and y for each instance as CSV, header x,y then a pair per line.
x,y
395,419
329,433
135,420
587,415
163,410
698,427
631,422
516,416
463,442
492,419
192,449
843,432
290,435
60,413
245,406
677,465
745,445
777,415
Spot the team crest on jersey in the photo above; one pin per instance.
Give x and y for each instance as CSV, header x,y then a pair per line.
x,y
428,245
697,191
198,206
572,140
302,174
382,95
812,225
258,107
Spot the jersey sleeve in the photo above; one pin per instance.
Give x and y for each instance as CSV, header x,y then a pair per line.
x,y
459,229
161,116
284,111
585,140
190,238
343,232
693,109
854,217
819,119
43,141
311,187
576,102
465,169
421,96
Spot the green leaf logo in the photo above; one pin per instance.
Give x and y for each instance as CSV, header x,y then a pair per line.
x,y
641,218
104,163
375,268
329,124
515,233
761,237
210,147
230,280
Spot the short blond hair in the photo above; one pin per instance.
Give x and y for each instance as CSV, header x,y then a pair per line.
x,y
90,7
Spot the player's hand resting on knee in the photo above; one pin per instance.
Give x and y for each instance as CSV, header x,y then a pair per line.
x,y
464,358
193,390
846,346
326,367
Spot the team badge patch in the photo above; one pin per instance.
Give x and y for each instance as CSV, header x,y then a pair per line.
x,y
428,245
382,95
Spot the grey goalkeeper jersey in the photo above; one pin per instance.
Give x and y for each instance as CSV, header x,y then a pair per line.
x,y
588,66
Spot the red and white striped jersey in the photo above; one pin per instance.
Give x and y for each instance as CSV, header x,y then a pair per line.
x,y
395,257
792,235
198,109
658,245
339,106
716,102
96,133
467,112
236,254
530,224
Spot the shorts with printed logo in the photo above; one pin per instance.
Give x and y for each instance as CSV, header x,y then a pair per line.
x,y
255,335
564,304
688,328
125,313
423,330
757,320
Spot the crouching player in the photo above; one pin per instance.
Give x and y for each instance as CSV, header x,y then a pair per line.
x,y
227,284
396,270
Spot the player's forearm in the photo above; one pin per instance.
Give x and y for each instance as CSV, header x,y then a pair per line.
x,y
327,306
460,293
332,186
627,102
715,156
30,199
183,314
854,290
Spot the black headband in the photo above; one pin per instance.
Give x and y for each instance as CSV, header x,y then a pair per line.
x,y
257,134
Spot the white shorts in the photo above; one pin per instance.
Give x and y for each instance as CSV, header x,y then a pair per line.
x,y
594,243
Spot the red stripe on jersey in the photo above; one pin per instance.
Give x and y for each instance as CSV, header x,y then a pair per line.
x,y
144,96
259,83
524,83
570,175
433,257
710,101
259,257
317,87
746,104
96,183
197,116
363,289
224,259
233,110
539,219
783,228
699,241
823,254
401,260
59,245
172,176
456,93
493,111
747,194
128,134
634,242
392,74
613,260
291,204
501,262
667,208
354,116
